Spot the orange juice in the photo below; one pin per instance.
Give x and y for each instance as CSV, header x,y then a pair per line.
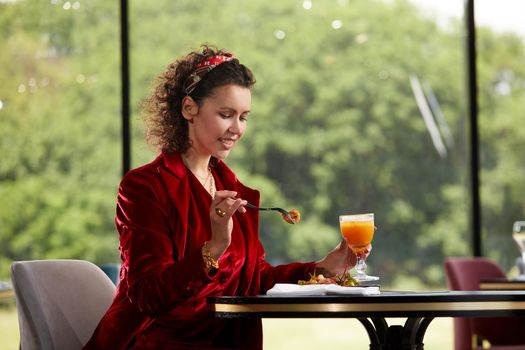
x,y
358,234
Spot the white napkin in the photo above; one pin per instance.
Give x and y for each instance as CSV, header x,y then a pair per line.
x,y
285,289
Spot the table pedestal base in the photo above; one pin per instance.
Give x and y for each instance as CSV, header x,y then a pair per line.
x,y
406,337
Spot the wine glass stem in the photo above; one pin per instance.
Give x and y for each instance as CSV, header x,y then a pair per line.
x,y
360,266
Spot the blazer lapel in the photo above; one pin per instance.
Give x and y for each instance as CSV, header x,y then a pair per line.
x,y
175,178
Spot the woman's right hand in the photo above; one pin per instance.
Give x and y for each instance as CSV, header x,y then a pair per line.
x,y
222,208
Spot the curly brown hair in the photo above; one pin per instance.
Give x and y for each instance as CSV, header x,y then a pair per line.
x,y
166,128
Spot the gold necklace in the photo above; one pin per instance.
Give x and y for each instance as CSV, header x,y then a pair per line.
x,y
212,185
205,178
209,178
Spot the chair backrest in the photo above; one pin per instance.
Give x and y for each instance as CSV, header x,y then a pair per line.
x,y
59,302
466,274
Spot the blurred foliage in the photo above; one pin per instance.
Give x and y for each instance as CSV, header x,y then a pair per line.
x,y
60,132
335,128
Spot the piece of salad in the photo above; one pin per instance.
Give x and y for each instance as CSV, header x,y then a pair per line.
x,y
345,280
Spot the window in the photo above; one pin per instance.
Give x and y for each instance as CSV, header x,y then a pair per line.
x,y
358,107
501,74
59,130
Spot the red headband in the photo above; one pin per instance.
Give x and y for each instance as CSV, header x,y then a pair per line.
x,y
203,68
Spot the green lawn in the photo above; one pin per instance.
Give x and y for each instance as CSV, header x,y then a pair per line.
x,y
9,328
285,334
310,334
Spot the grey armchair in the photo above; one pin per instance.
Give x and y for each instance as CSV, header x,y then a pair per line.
x,y
59,302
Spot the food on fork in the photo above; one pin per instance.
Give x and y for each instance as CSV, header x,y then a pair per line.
x,y
295,215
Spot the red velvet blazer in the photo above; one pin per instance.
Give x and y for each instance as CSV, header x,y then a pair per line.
x,y
163,220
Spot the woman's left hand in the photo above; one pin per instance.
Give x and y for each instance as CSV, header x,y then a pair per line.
x,y
338,261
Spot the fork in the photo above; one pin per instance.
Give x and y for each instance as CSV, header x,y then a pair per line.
x,y
280,210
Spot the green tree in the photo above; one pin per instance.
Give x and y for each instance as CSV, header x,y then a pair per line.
x,y
59,131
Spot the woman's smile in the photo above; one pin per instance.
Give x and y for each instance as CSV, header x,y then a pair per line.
x,y
228,143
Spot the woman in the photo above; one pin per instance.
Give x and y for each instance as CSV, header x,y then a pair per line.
x,y
185,233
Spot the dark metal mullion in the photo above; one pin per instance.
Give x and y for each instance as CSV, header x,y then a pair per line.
x,y
124,52
472,93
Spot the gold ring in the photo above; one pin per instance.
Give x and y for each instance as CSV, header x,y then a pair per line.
x,y
220,212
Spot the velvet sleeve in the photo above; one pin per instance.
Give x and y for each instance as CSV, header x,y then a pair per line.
x,y
288,273
157,278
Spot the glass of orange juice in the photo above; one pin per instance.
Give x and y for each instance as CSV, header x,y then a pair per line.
x,y
358,231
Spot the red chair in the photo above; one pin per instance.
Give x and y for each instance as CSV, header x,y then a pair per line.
x,y
501,332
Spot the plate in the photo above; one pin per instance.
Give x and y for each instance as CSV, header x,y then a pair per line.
x,y
289,289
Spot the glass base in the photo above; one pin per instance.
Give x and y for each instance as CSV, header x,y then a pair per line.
x,y
366,278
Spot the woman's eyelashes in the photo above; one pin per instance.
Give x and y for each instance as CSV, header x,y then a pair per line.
x,y
242,117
